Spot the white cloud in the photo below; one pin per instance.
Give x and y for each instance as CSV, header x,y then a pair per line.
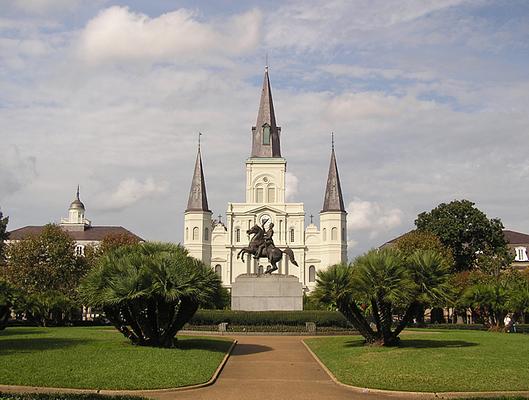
x,y
118,33
129,192
372,217
292,183
16,170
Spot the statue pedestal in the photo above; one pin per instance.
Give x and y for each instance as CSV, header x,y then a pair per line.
x,y
252,292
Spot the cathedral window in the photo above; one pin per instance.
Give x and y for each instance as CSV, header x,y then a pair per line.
x,y
324,234
259,195
292,236
237,235
218,270
334,234
266,134
195,233
343,234
260,270
312,273
206,234
187,233
271,195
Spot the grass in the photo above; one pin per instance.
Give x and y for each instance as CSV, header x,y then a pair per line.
x,y
64,396
431,361
101,358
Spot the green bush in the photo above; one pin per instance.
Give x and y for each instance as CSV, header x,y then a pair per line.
x,y
269,318
520,328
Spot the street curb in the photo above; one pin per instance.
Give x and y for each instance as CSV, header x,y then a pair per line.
x,y
136,392
411,395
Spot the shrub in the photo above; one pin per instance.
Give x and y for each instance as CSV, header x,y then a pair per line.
x,y
149,290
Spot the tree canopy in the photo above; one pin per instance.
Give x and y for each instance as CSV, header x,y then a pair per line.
x,y
3,234
465,230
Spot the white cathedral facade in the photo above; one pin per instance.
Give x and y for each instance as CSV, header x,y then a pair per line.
x,y
217,244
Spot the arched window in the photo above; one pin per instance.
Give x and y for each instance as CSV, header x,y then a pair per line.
x,y
312,273
206,234
292,236
218,269
334,234
266,134
343,234
195,233
260,270
521,254
187,233
237,235
324,234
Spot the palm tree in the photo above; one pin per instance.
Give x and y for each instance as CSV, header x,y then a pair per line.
x,y
149,290
384,282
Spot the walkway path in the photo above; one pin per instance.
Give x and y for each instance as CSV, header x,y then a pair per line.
x,y
270,368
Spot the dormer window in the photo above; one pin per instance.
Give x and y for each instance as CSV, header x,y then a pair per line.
x,y
266,134
521,254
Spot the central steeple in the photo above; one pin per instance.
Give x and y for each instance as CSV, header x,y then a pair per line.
x,y
265,133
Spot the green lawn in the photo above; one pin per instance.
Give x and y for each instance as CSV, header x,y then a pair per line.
x,y
430,361
101,358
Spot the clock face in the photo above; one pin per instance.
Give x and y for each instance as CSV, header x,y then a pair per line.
x,y
267,218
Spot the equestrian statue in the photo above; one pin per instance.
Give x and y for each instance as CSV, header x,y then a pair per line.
x,y
262,246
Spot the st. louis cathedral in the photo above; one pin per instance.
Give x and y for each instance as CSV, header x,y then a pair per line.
x,y
217,244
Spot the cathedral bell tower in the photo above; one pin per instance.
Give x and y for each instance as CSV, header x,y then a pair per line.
x,y
197,217
333,221
265,169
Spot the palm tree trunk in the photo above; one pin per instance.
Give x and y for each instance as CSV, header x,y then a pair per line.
x,y
407,318
186,310
354,315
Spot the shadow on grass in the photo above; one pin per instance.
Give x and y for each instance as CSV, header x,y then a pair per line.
x,y
219,346
245,349
31,345
14,331
422,344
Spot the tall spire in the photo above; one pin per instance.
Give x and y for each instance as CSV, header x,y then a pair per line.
x,y
198,199
333,200
265,133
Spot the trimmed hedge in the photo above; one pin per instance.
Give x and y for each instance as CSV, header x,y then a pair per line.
x,y
269,318
520,328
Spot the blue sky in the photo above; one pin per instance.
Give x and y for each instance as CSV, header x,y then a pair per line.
x,y
428,99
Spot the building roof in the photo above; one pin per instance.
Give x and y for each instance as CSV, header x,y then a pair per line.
x,y
333,200
266,119
198,199
77,204
513,237
91,233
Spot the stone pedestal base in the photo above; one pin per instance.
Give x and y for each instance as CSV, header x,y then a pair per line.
x,y
251,292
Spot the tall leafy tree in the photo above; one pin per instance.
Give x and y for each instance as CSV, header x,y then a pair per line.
x,y
47,271
3,234
149,290
465,230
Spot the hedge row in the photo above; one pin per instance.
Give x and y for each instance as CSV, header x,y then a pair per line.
x,y
269,318
298,329
520,328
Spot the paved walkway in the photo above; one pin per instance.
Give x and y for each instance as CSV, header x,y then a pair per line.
x,y
270,368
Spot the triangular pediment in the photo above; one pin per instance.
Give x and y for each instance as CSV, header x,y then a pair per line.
x,y
265,208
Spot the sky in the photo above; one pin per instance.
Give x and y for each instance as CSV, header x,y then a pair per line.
x,y
428,99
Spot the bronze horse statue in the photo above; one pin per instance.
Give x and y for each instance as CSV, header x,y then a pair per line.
x,y
271,252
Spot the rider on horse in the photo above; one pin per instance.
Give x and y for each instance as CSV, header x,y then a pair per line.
x,y
268,241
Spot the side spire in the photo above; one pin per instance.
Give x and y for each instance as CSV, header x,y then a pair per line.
x,y
198,199
265,133
333,200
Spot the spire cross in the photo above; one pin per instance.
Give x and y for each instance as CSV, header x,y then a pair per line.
x,y
199,134
220,218
266,62
311,217
77,191
332,140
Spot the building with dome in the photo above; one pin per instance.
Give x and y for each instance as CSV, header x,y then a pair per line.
x,y
217,244
78,227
